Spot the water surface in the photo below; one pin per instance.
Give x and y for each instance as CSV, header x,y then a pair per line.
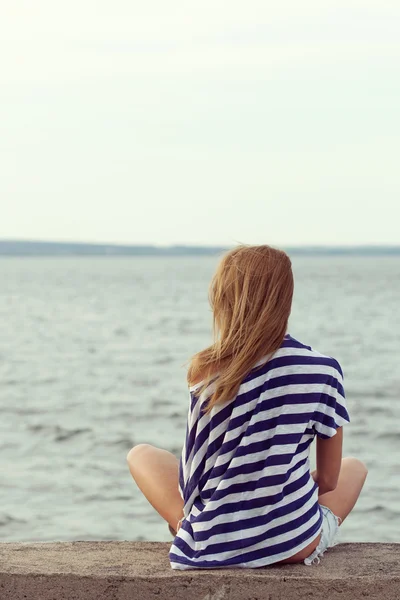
x,y
92,354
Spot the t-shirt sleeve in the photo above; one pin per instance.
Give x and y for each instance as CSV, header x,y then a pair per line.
x,y
331,412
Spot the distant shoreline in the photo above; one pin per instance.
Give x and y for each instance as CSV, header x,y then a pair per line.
x,y
59,249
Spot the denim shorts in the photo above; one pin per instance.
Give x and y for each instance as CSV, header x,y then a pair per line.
x,y
330,528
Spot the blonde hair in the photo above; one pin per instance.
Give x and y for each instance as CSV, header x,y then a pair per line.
x,y
251,298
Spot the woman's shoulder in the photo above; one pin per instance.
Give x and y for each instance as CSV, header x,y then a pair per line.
x,y
293,346
202,377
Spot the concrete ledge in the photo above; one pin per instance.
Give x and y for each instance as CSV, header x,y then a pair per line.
x,y
130,570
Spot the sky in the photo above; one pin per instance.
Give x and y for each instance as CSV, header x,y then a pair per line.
x,y
200,122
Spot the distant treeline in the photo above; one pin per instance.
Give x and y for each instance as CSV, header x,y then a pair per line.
x,y
25,248
31,248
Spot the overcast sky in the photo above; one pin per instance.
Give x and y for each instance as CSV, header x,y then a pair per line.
x,y
200,122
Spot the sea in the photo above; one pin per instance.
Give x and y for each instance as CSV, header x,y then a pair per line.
x,y
93,357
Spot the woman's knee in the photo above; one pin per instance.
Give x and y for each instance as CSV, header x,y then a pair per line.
x,y
137,453
358,468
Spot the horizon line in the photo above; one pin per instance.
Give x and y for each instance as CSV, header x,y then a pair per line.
x,y
377,245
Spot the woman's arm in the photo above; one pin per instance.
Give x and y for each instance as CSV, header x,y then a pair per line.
x,y
329,460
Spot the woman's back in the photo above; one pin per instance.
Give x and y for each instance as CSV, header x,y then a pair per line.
x,y
249,498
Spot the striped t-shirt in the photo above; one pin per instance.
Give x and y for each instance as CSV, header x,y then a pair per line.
x,y
244,476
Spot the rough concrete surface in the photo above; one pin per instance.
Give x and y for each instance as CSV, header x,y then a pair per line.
x,y
130,570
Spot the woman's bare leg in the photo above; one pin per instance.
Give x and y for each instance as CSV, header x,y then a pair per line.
x,y
351,480
156,473
341,501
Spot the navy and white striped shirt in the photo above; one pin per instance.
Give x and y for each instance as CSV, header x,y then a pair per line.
x,y
244,476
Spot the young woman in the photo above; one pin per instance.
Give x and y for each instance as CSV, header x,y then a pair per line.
x,y
242,494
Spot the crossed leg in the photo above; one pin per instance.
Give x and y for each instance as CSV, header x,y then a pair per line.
x,y
156,473
351,480
341,500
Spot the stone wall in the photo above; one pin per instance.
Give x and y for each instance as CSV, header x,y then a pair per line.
x,y
140,570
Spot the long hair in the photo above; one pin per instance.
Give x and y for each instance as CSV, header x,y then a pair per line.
x,y
251,297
